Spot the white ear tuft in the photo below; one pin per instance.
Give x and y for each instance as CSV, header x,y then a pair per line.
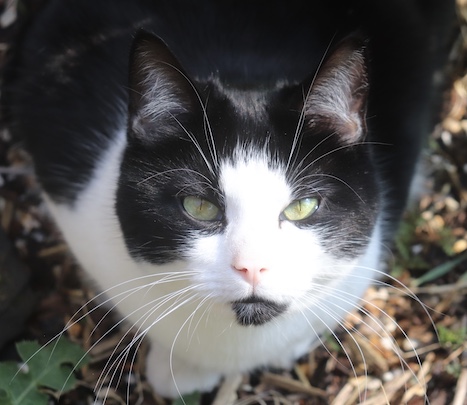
x,y
159,89
338,94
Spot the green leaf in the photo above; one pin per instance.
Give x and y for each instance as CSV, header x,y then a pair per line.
x,y
50,366
440,270
191,399
17,388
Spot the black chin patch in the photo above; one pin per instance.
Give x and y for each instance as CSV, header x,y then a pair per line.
x,y
256,311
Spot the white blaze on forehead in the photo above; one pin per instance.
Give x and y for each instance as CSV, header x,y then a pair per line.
x,y
255,193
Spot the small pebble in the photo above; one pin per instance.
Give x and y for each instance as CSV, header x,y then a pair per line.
x,y
410,344
460,246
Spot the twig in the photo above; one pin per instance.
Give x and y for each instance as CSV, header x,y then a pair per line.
x,y
291,385
460,398
227,394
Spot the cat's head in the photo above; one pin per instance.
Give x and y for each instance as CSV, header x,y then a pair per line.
x,y
266,194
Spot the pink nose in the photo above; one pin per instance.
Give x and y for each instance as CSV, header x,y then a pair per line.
x,y
251,273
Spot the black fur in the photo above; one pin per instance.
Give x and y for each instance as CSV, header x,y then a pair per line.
x,y
254,312
68,91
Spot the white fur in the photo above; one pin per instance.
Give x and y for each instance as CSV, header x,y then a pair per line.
x,y
159,98
197,343
335,93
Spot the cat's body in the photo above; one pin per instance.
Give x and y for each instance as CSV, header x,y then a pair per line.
x,y
299,187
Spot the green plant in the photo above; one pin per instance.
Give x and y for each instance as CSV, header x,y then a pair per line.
x,y
440,270
192,399
404,241
449,337
49,367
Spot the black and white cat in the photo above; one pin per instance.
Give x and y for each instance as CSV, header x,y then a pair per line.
x,y
227,172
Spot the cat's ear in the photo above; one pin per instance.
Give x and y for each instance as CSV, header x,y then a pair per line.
x,y
159,89
338,92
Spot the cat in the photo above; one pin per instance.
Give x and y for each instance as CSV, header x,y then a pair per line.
x,y
227,173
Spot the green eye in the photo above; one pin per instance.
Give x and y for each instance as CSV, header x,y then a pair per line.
x,y
200,209
301,209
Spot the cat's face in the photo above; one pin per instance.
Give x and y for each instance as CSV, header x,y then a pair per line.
x,y
266,196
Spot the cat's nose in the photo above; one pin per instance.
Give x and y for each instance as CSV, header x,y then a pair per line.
x,y
250,272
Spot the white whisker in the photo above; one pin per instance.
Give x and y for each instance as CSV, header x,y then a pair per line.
x,y
340,295
301,120
208,130
335,178
333,333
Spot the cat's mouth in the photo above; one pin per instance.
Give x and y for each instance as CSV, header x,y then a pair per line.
x,y
256,311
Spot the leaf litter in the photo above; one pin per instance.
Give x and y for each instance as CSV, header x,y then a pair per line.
x,y
406,345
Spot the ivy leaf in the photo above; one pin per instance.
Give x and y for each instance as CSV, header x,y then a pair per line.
x,y
50,366
17,388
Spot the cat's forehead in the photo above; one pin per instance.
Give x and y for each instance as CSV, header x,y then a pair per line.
x,y
253,176
246,101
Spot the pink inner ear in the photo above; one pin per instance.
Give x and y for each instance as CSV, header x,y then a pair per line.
x,y
338,94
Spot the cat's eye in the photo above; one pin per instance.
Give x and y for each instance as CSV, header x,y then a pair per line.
x,y
201,209
301,209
